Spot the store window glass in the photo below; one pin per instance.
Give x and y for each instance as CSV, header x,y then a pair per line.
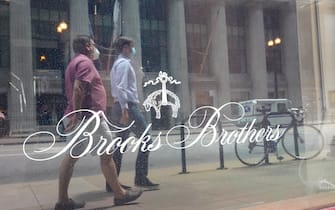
x,y
153,15
273,36
45,16
48,49
4,36
236,25
101,29
197,33
157,99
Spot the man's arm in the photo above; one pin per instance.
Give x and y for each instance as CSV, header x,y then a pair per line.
x,y
123,97
80,91
122,84
122,89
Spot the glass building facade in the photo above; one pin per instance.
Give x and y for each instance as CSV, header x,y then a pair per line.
x,y
51,50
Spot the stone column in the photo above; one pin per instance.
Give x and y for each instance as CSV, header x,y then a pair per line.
x,y
327,42
290,54
79,20
178,52
219,62
309,62
256,57
22,101
131,28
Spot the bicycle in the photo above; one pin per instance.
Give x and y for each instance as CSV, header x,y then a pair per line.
x,y
299,141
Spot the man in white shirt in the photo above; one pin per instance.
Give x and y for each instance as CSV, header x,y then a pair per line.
x,y
125,109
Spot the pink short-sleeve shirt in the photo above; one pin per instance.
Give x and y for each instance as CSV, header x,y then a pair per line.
x,y
82,68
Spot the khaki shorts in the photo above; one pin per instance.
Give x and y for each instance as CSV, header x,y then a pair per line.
x,y
102,131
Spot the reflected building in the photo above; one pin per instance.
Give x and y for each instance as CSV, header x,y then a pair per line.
x,y
221,50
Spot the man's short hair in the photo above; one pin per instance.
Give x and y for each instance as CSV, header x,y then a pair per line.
x,y
80,43
123,41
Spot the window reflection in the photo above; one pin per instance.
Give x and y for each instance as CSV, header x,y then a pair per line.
x,y
4,36
197,33
236,24
262,53
101,28
153,16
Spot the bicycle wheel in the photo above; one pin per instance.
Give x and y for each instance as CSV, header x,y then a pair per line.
x,y
250,153
309,144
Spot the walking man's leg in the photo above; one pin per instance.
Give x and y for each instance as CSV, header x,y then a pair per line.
x,y
115,118
122,196
117,155
142,161
142,167
117,159
109,171
65,174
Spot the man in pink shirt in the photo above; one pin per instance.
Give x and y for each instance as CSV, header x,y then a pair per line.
x,y
85,90
2,116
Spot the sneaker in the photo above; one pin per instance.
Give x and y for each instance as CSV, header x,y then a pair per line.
x,y
110,190
71,204
131,195
145,182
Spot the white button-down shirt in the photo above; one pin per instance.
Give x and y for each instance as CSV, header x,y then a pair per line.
x,y
123,82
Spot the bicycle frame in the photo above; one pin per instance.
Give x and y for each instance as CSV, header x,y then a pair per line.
x,y
295,136
294,124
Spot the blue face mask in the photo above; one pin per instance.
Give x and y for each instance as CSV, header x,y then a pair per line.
x,y
133,51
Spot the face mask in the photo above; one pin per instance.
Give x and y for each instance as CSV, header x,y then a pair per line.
x,y
96,54
133,51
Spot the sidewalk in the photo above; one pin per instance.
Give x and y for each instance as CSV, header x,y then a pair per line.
x,y
267,187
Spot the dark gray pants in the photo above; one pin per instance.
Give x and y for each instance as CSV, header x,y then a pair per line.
x,y
138,128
